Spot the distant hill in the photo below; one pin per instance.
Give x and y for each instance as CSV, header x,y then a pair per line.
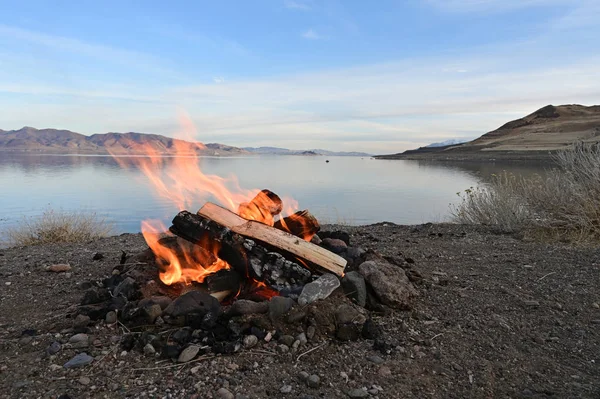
x,y
285,151
446,143
534,136
65,141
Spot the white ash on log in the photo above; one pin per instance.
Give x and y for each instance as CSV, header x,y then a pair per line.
x,y
271,237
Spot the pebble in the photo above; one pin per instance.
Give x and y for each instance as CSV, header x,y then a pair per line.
x,y
357,393
596,305
384,371
279,305
287,340
310,332
54,348
62,267
303,375
224,393
81,321
250,341
302,338
188,353
375,359
55,367
111,317
84,380
531,303
283,348
80,360
79,341
8,283
286,389
149,350
349,314
313,381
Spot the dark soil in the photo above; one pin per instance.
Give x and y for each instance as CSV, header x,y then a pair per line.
x,y
496,317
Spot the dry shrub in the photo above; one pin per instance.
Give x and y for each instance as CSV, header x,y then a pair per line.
x,y
57,227
563,205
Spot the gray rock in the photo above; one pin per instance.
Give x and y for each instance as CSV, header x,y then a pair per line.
x,y
286,389
390,284
313,381
244,306
310,332
162,301
357,393
195,302
80,360
111,317
54,348
149,350
302,338
250,341
55,367
347,332
355,288
281,348
287,340
224,393
79,341
152,312
334,245
278,306
375,359
321,288
127,288
348,314
81,321
188,353
303,375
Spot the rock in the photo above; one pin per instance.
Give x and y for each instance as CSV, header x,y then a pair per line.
x,y
348,314
347,332
152,312
54,348
98,256
111,317
338,234
375,359
302,339
531,303
355,288
149,350
250,341
193,302
316,240
162,301
321,288
59,268
79,360
278,306
313,381
127,288
188,353
334,245
244,306
303,376
357,393
390,284
224,393
384,371
287,340
25,340
286,389
310,332
81,321
370,330
282,348
79,341
84,380
55,367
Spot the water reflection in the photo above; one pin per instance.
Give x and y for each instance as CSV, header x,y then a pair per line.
x,y
349,190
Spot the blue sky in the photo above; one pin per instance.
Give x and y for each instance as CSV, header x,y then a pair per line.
x,y
379,76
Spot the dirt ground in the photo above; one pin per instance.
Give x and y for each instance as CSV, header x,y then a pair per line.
x,y
495,317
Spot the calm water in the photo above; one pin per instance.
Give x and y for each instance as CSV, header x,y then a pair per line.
x,y
348,190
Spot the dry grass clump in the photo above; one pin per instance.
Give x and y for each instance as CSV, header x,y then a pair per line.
x,y
57,227
563,205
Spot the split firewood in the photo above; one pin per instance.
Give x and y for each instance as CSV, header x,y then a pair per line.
x,y
262,208
275,238
302,224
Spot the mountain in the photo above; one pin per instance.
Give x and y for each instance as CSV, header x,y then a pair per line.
x,y
285,151
65,141
534,136
446,143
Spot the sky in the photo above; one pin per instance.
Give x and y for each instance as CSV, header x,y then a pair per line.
x,y
352,75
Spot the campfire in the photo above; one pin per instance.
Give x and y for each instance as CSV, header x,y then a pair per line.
x,y
229,274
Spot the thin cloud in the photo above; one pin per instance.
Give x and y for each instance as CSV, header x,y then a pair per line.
x,y
219,79
296,5
311,35
465,6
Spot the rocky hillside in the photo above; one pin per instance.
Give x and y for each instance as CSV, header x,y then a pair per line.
x,y
547,129
65,141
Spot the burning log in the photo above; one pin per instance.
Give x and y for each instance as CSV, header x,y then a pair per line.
x,y
263,207
302,224
274,238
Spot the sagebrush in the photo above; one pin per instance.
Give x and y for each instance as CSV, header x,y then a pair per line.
x,y
564,204
57,226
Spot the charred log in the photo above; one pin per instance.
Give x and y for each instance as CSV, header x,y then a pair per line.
x,y
262,208
301,224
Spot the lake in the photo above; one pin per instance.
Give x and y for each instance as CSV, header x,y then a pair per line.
x,y
349,190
